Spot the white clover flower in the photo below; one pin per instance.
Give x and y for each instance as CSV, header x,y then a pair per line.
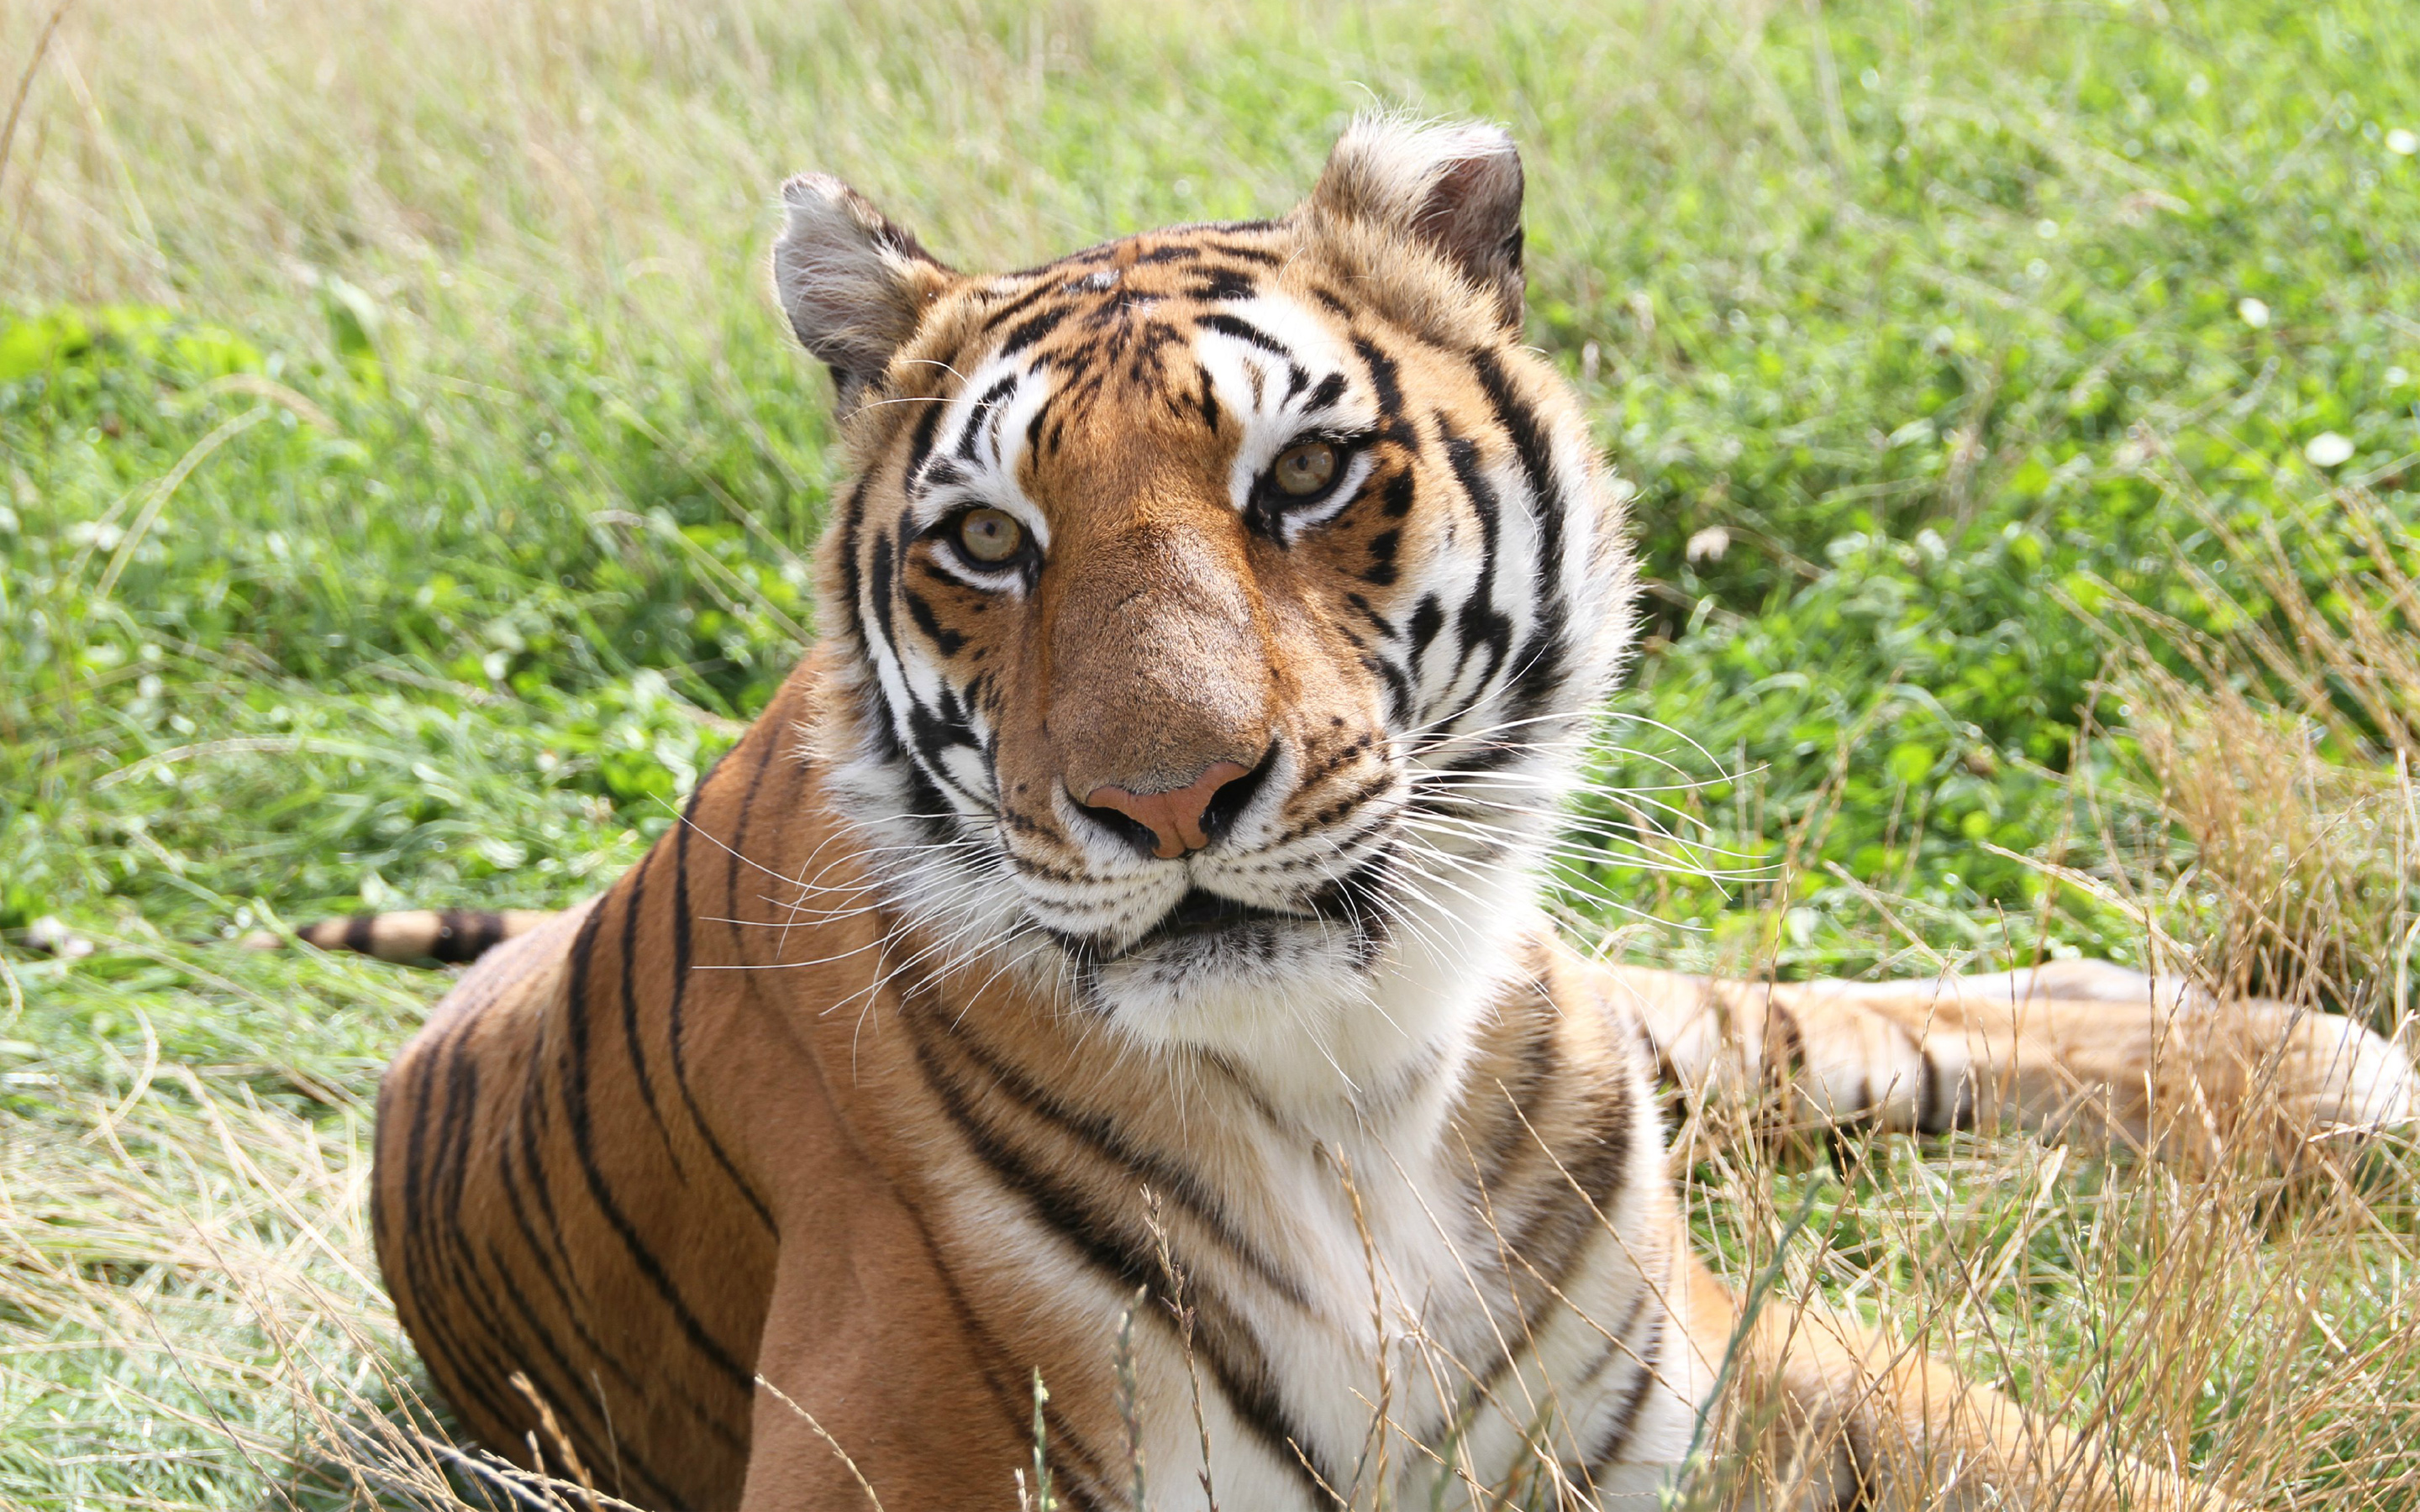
x,y
2254,313
2328,450
2402,142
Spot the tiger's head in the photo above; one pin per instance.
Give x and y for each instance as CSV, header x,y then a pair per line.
x,y
1222,607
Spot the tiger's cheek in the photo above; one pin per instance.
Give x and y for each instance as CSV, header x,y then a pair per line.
x,y
1327,647
1374,581
973,645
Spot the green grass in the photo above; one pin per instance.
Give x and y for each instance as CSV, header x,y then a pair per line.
x,y
404,484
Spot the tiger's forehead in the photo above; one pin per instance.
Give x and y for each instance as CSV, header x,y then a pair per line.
x,y
1199,262
1189,346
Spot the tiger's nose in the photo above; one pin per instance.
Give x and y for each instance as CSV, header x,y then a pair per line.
x,y
1174,819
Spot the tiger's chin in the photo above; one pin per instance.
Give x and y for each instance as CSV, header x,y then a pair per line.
x,y
1225,986
1312,1007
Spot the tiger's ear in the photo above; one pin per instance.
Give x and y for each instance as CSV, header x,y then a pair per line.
x,y
854,285
1454,188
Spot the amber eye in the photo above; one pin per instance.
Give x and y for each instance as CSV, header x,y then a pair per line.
x,y
1303,470
990,536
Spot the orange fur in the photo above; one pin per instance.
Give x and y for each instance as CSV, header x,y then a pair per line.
x,y
794,1101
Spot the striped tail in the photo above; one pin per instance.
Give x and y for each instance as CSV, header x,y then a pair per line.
x,y
447,936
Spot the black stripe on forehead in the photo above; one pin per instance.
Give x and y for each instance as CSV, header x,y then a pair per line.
x,y
1244,252
970,435
919,444
1220,284
1035,327
1386,382
1244,331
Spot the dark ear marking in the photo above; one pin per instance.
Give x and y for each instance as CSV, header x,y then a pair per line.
x,y
1453,189
1473,214
853,283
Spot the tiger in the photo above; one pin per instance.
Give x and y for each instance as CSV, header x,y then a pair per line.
x,y
1097,1040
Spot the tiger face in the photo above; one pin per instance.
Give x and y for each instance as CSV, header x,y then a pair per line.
x,y
1220,606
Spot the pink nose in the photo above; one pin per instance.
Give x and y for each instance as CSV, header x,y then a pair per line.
x,y
1173,818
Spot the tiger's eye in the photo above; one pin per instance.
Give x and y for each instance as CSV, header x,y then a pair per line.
x,y
990,534
1303,470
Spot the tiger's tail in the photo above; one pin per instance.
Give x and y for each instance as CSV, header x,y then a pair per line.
x,y
446,936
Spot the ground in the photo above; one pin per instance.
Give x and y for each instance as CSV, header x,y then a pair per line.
x,y
405,486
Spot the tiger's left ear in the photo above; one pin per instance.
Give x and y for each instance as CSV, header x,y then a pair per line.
x,y
1454,188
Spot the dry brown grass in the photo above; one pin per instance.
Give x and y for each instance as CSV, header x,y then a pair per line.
x,y
2284,750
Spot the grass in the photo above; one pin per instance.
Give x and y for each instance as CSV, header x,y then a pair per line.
x,y
403,486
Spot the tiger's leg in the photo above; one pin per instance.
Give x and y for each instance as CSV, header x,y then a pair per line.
x,y
1823,1412
2076,1048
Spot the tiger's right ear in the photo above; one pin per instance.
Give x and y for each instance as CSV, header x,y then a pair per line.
x,y
853,283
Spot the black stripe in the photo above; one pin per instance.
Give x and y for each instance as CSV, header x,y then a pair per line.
x,y
599,1443
1243,329
1428,618
1171,1179
1625,1418
1387,379
1244,252
1041,415
1011,1397
1530,446
969,437
633,899
884,585
1219,285
1381,571
1032,329
732,848
1536,1065
1367,610
1477,623
576,1390
360,932
583,1145
919,443
946,641
684,923
485,932
1540,674
927,803
852,515
553,1279
1131,1264
469,1286
414,1248
532,1124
